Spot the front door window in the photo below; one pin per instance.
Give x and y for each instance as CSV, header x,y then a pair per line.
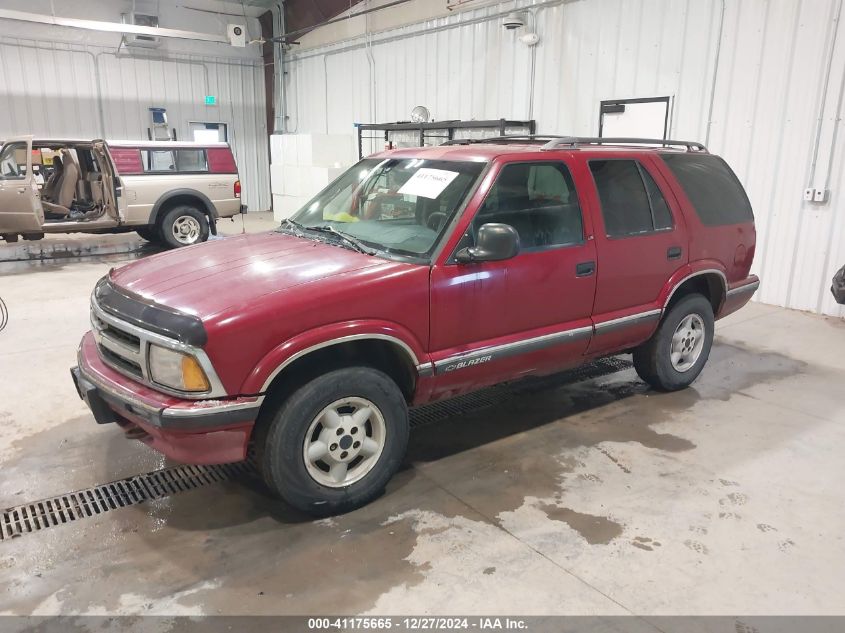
x,y
539,201
13,161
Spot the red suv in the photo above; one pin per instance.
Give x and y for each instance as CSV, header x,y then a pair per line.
x,y
418,275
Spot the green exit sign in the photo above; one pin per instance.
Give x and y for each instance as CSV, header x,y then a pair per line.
x,y
210,100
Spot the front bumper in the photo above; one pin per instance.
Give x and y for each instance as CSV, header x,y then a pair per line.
x,y
188,431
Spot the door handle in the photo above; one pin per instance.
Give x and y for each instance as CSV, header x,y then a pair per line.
x,y
674,252
585,269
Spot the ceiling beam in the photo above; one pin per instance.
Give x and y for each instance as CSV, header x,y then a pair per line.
x,y
112,27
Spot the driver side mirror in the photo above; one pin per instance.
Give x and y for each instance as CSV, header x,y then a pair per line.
x,y
496,242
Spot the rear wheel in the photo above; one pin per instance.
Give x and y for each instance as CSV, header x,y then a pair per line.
x,y
184,225
674,356
333,445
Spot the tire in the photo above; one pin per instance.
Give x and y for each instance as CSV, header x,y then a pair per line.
x,y
184,225
300,423
669,366
149,233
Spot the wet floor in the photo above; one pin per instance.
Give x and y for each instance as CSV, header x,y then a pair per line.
x,y
598,497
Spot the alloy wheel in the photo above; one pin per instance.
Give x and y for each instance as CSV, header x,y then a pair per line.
x,y
344,442
186,229
687,343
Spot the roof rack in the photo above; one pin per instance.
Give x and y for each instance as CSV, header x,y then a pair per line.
x,y
554,141
575,141
505,138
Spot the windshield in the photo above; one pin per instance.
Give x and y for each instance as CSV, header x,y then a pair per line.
x,y
394,205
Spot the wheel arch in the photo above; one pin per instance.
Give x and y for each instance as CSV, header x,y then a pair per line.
x,y
185,196
383,346
709,282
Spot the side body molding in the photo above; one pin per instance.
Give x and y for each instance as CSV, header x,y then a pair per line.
x,y
311,341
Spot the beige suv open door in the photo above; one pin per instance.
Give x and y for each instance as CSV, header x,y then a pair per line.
x,y
20,204
113,202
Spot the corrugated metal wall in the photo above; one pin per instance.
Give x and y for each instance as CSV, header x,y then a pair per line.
x,y
771,90
86,91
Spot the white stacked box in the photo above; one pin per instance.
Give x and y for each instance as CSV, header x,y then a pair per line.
x,y
303,164
276,147
276,178
286,206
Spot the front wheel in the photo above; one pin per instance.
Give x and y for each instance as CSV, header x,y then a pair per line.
x,y
149,233
184,225
677,352
333,445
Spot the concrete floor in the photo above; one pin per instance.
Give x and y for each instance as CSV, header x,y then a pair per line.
x,y
117,246
600,497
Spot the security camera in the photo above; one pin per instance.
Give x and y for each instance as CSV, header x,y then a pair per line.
x,y
236,34
513,21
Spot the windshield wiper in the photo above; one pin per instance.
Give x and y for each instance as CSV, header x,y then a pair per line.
x,y
296,227
347,239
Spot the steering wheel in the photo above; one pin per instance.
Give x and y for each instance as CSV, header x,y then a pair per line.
x,y
436,220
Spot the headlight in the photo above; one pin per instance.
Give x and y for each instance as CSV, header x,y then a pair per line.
x,y
176,370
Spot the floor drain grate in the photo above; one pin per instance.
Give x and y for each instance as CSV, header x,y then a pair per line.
x,y
66,508
499,394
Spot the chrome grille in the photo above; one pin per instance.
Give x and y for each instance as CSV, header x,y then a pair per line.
x,y
124,347
119,348
115,335
121,363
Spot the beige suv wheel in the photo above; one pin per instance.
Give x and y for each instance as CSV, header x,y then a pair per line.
x,y
183,226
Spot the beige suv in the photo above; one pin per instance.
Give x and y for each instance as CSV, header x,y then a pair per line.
x,y
169,192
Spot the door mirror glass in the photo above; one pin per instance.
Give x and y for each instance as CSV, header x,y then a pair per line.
x,y
495,242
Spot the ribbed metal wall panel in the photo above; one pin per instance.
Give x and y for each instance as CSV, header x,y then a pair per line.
x,y
60,90
760,107
768,101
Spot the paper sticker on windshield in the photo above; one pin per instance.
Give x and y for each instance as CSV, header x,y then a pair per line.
x,y
428,183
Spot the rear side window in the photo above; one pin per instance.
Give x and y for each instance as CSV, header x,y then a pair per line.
x,y
661,215
158,160
191,160
711,186
174,160
631,202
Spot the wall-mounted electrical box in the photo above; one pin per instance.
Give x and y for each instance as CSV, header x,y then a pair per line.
x,y
816,195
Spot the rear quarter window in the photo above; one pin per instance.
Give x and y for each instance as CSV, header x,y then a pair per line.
x,y
127,160
221,161
712,187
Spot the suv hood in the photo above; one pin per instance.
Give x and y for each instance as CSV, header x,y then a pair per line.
x,y
205,279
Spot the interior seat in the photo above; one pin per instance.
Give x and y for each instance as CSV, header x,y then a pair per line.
x,y
66,187
49,188
94,187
